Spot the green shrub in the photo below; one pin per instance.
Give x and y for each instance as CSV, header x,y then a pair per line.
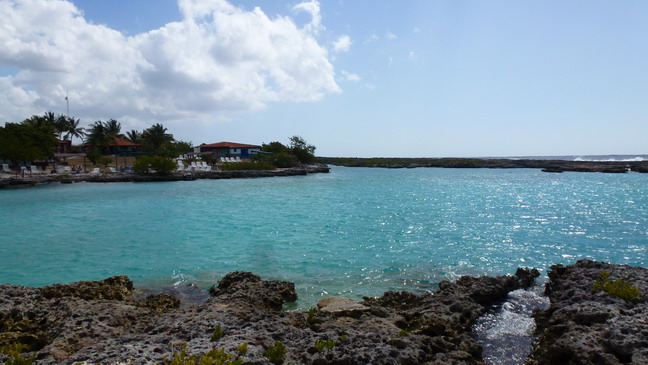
x,y
322,344
275,353
619,288
261,165
218,334
213,357
310,316
242,348
161,165
283,160
344,338
14,352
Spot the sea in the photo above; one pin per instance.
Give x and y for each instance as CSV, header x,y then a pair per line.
x,y
353,232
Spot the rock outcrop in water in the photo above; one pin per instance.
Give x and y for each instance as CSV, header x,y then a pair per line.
x,y
105,322
584,326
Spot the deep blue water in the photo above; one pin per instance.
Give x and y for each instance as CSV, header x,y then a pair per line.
x,y
353,232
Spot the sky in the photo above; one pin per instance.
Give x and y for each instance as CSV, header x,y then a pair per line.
x,y
355,78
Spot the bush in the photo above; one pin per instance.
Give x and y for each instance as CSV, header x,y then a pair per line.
x,y
161,165
275,353
322,344
261,165
618,288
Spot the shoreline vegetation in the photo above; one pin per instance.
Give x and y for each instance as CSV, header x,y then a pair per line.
x,y
555,166
12,181
242,321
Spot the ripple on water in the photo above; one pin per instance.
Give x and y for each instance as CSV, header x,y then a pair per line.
x,y
506,332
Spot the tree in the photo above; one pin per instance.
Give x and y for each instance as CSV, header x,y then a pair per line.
x,y
113,128
134,136
98,137
26,142
304,152
155,138
72,129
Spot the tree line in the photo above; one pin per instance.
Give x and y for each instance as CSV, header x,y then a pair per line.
x,y
37,138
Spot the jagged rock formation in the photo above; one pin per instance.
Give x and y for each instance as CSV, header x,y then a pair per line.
x,y
104,322
584,326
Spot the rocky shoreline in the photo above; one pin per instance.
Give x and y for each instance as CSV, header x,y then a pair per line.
x,y
110,322
27,181
544,165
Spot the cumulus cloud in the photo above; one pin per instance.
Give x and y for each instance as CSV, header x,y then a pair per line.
x,y
343,44
217,58
348,76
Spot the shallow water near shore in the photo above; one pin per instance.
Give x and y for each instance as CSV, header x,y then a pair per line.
x,y
352,232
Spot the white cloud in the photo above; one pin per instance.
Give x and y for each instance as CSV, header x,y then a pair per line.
x,y
311,7
343,44
390,36
371,38
218,58
348,76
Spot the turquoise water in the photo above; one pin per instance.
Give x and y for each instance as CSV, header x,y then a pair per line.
x,y
353,232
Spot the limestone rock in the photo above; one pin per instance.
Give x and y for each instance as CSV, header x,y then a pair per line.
x,y
341,306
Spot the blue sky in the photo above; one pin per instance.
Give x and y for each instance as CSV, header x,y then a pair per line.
x,y
355,78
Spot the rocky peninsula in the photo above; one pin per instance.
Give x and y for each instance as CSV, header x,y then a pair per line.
x,y
109,321
544,165
18,182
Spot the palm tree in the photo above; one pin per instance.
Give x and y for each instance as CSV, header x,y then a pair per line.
x,y
156,137
98,136
134,136
72,129
113,128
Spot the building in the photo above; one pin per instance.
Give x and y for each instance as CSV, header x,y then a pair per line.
x,y
120,146
230,149
123,147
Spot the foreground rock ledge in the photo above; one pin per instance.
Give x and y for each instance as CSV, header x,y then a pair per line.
x,y
106,322
583,326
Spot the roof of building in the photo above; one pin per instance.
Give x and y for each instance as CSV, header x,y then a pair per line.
x,y
229,145
121,142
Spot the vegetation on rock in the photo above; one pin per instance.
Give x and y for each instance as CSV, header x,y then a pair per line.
x,y
14,352
276,353
619,288
213,357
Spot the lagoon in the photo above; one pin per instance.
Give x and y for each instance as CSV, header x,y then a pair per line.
x,y
352,232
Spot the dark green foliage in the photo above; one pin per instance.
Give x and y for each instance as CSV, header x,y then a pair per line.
x,y
304,152
155,140
310,316
283,160
213,357
276,353
619,288
218,334
161,165
322,344
14,352
261,165
282,156
94,154
344,338
27,141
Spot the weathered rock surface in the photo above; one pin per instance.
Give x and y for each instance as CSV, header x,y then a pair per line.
x,y
583,326
101,322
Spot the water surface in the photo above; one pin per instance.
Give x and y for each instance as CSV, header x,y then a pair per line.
x,y
353,232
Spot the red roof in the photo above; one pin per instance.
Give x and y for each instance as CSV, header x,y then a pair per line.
x,y
120,142
229,145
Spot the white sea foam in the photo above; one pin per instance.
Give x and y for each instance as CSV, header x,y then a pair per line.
x,y
506,333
